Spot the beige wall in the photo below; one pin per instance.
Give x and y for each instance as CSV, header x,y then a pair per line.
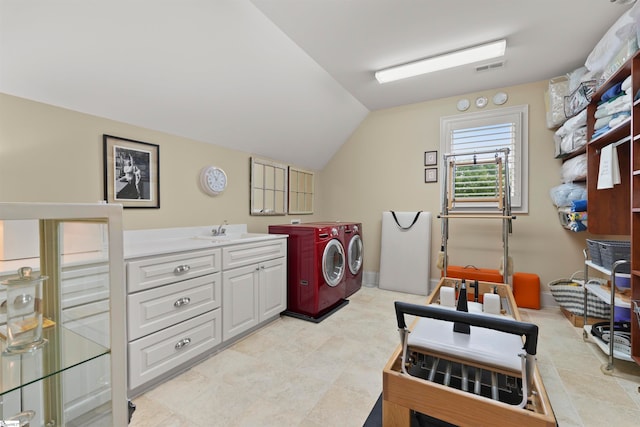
x,y
50,154
381,168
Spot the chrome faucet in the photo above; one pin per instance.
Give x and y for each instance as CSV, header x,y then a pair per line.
x,y
220,230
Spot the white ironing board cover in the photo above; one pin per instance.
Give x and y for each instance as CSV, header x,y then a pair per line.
x,y
484,346
405,254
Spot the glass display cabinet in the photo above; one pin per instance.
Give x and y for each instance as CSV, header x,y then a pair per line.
x,y
74,374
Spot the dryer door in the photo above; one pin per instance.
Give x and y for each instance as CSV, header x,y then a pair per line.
x,y
333,263
354,254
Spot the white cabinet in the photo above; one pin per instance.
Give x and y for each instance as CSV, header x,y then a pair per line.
x,y
157,354
240,294
155,271
252,292
273,289
173,312
184,305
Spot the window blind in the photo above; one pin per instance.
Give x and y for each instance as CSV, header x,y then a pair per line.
x,y
475,175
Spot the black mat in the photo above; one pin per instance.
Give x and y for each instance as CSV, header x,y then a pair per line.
x,y
417,419
321,316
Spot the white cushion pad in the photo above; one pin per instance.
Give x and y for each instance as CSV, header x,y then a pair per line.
x,y
482,346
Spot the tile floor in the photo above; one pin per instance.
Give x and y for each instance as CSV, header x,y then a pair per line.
x,y
297,373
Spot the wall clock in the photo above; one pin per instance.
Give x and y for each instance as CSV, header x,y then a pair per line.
x,y
213,180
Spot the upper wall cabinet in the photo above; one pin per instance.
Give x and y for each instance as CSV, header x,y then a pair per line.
x,y
300,191
268,187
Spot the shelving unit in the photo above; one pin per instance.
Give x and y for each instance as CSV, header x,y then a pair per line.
x,y
44,383
614,301
635,206
616,211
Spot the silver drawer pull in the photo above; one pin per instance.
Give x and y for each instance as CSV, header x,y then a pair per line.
x,y
182,301
182,343
182,269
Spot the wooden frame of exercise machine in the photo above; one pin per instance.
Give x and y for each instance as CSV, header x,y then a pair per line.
x,y
404,393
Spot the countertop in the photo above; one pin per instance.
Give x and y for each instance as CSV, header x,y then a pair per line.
x,y
142,243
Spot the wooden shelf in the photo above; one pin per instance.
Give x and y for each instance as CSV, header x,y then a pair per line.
x,y
616,211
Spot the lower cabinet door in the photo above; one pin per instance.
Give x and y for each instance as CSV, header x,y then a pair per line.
x,y
239,300
273,288
159,353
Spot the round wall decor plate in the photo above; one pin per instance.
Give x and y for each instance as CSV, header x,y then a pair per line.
x,y
500,98
462,105
481,102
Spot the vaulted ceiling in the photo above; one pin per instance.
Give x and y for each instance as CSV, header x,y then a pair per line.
x,y
284,79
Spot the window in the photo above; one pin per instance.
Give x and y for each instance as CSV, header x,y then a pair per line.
x,y
487,131
268,187
300,191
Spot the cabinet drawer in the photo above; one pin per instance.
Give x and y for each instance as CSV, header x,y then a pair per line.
x,y
151,272
159,353
251,253
158,308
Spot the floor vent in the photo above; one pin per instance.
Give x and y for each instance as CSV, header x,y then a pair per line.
x,y
487,67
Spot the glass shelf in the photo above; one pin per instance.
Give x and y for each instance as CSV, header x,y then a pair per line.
x,y
64,350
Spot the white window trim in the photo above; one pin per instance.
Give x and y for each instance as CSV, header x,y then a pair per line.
x,y
519,115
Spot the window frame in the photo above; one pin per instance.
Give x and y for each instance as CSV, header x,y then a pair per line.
x,y
519,116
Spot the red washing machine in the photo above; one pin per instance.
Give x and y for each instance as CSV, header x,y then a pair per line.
x,y
350,234
354,245
316,268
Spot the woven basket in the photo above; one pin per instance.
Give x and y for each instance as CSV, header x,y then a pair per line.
x,y
570,296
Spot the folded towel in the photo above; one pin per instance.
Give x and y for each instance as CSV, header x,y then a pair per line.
x,y
601,131
579,206
626,84
601,112
602,122
612,92
619,119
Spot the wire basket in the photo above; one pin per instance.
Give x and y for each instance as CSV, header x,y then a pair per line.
x,y
605,252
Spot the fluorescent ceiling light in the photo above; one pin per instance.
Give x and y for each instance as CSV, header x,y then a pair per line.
x,y
441,62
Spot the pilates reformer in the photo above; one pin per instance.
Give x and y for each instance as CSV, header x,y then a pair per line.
x,y
485,377
459,195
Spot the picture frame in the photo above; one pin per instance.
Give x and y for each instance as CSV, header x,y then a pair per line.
x,y
430,158
131,172
430,175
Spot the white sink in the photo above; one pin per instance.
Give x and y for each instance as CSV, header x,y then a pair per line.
x,y
230,237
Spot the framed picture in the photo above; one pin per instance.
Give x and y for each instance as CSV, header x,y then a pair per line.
x,y
431,175
131,172
430,158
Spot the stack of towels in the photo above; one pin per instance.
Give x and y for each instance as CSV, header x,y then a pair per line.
x,y
614,107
